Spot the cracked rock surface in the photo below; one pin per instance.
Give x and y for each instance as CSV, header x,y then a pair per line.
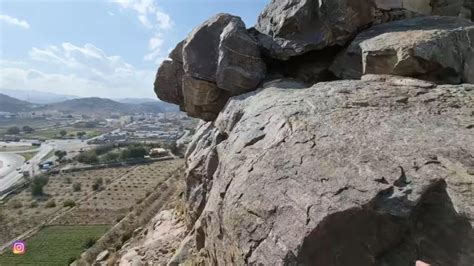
x,y
439,49
377,171
217,60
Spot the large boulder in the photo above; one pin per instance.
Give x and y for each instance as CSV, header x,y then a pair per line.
x,y
429,7
288,28
168,82
203,99
217,60
201,48
376,171
240,67
439,49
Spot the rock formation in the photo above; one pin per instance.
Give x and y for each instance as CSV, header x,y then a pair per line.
x,y
281,171
217,60
289,28
156,242
294,164
439,49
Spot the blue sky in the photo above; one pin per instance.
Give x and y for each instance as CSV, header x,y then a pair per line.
x,y
98,47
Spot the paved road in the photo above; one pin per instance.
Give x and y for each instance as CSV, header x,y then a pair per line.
x,y
9,175
8,163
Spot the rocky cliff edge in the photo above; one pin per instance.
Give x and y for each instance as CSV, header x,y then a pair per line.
x,y
334,133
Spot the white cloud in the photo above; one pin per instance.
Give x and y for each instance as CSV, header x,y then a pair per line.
x,y
88,58
152,17
14,21
144,20
155,46
79,70
149,14
155,42
164,20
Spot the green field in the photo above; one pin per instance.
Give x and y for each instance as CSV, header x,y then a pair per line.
x,y
28,155
16,148
55,245
54,133
48,155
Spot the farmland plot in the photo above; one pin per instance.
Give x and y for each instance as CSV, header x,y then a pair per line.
x,y
119,190
121,194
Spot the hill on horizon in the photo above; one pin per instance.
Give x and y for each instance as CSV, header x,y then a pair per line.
x,y
38,97
88,105
97,105
13,105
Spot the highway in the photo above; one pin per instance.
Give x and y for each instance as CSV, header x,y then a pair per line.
x,y
10,162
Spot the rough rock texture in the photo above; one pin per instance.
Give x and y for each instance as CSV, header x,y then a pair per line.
x,y
201,48
300,39
439,49
371,172
292,28
217,60
430,7
201,163
288,28
168,82
376,171
240,67
157,242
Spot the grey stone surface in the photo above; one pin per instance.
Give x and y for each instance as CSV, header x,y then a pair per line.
x,y
371,172
201,48
289,28
240,67
438,49
168,82
217,60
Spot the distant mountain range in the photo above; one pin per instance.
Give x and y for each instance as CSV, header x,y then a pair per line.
x,y
88,106
134,100
39,97
13,105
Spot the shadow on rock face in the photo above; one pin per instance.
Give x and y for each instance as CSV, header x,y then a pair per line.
x,y
434,232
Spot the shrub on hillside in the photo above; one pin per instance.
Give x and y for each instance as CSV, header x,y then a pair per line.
x,y
97,185
103,149
50,204
28,129
33,204
69,203
37,185
111,157
88,243
13,130
134,152
88,157
138,152
76,187
60,154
